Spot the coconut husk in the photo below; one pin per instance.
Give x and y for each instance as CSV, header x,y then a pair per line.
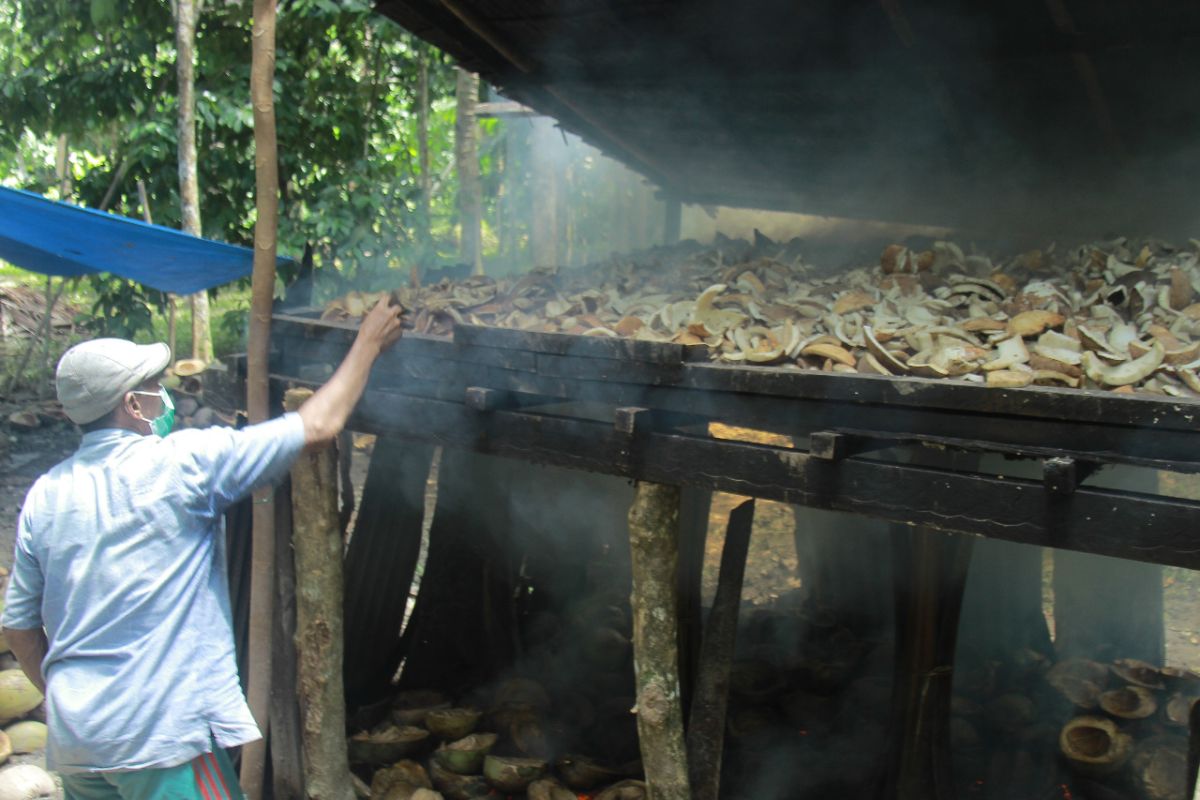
x,y
512,775
387,744
1094,745
1138,673
465,756
451,724
1129,702
1079,680
455,786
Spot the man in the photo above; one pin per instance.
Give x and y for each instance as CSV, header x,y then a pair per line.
x,y
118,603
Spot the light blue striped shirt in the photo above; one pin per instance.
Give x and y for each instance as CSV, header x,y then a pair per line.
x,y
120,554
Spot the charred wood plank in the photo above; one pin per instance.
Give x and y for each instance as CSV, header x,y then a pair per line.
x,y
877,426
654,549
1038,421
476,344
287,754
1063,475
929,393
380,563
565,344
706,724
1102,521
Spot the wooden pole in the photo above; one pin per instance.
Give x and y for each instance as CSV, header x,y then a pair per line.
x,y
317,548
144,201
262,288
466,157
186,13
654,549
706,728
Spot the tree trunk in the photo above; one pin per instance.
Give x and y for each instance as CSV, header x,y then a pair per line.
x,y
424,179
144,200
654,548
262,290
466,157
317,548
189,192
543,229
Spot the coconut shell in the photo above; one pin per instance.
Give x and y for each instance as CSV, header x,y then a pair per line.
x,y
18,696
26,782
1094,745
452,723
512,775
28,736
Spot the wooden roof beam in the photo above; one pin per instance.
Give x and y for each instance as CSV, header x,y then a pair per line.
x,y
494,39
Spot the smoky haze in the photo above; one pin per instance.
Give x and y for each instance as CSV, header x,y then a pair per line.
x,y
1033,117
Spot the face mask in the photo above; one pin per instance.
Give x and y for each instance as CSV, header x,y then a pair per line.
x,y
164,422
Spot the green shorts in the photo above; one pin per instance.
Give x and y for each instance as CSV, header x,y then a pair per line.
x,y
207,777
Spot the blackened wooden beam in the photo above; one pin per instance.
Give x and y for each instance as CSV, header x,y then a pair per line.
x,y
1037,422
706,722
514,349
1062,475
480,399
1107,522
564,344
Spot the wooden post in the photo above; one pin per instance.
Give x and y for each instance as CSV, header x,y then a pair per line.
x,y
317,546
543,226
654,548
931,572
262,290
706,724
466,157
144,200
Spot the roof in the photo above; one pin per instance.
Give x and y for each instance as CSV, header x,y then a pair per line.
x,y
1054,114
54,238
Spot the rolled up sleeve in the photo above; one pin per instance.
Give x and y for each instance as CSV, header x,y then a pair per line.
x,y
229,464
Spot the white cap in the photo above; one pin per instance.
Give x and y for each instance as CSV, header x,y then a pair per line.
x,y
94,376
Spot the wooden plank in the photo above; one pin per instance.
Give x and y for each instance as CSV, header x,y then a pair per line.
x,y
1142,411
1106,522
1090,426
1034,437
380,563
564,344
706,721
476,344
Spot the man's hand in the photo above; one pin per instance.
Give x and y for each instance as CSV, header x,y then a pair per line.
x,y
380,328
326,412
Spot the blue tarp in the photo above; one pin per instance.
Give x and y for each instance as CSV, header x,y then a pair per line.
x,y
54,238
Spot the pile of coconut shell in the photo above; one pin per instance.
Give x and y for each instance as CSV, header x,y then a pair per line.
x,y
1115,315
1122,726
22,733
426,748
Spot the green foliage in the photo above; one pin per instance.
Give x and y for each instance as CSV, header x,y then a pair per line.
x,y
122,308
102,73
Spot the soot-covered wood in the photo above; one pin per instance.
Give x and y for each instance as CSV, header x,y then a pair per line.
x,y
1106,522
380,562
